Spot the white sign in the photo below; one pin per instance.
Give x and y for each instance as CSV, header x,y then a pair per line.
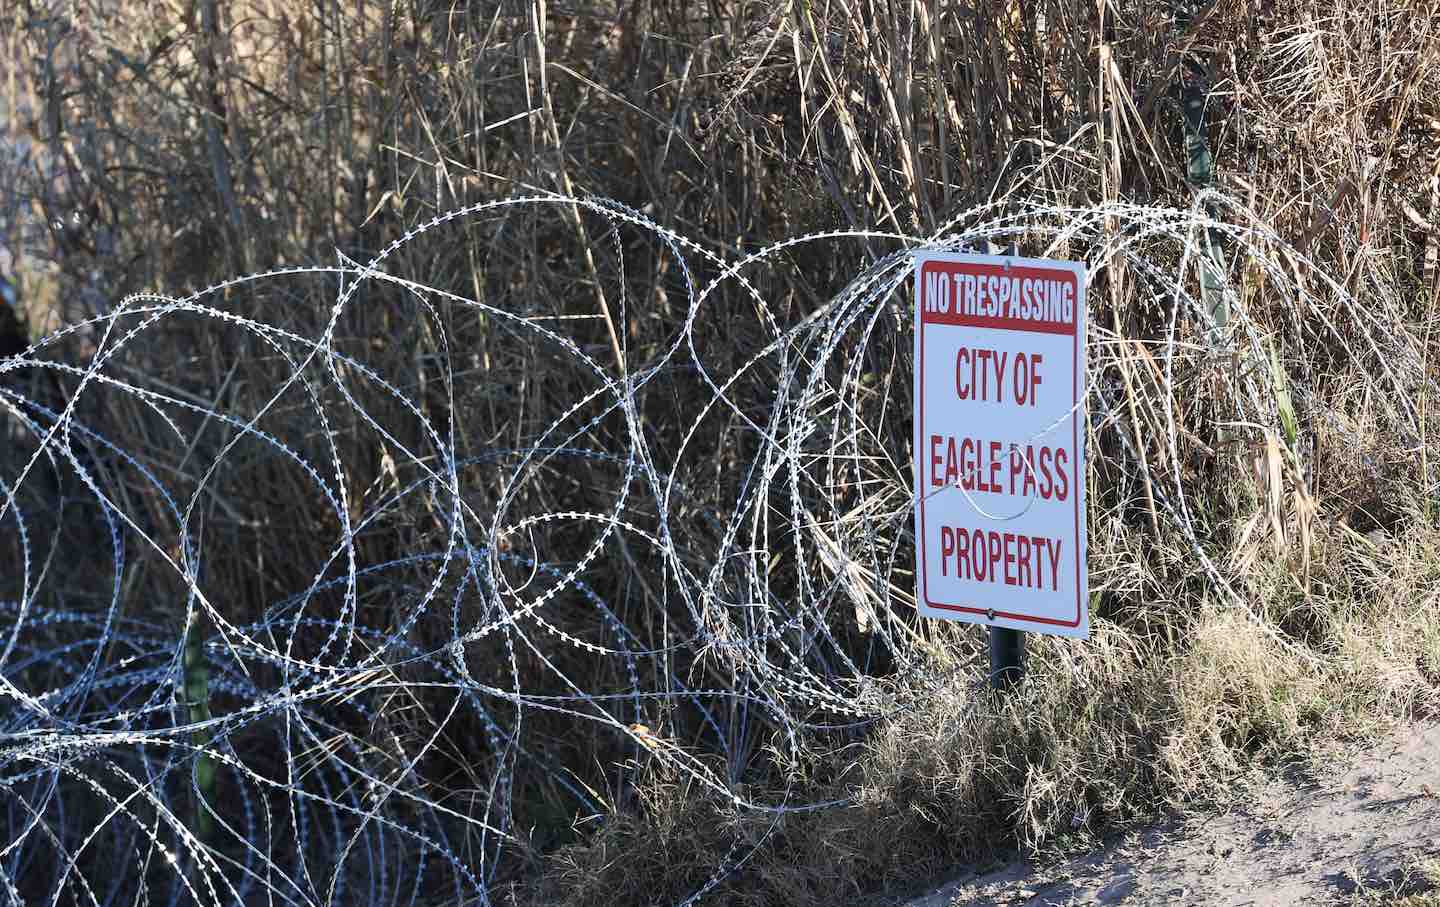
x,y
1000,442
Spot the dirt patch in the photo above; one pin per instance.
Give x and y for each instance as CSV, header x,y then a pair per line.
x,y
1365,821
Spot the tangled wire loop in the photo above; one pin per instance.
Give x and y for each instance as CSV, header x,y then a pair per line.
x,y
744,582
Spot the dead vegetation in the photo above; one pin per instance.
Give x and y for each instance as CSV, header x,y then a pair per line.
x,y
675,651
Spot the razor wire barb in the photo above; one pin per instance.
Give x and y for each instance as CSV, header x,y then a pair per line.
x,y
218,760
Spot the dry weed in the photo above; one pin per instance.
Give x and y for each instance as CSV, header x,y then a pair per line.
x,y
558,547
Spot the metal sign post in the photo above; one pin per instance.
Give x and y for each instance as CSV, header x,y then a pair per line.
x,y
1007,657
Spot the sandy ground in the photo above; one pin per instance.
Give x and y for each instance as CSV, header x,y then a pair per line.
x,y
1366,822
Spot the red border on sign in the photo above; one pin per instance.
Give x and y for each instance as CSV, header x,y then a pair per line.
x,y
1011,324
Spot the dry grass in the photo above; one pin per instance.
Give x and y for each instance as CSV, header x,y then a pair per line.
x,y
1100,735
1414,888
1263,519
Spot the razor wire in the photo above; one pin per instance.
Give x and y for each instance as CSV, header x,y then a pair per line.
x,y
288,758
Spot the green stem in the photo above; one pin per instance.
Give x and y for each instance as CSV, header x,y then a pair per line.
x,y
197,699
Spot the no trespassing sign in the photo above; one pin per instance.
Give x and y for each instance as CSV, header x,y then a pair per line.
x,y
1000,442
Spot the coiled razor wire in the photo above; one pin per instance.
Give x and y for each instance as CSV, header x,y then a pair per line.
x,y
283,760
